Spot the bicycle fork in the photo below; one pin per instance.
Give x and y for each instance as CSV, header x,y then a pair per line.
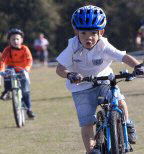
x,y
16,85
128,147
108,139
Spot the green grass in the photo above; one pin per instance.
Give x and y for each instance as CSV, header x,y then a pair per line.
x,y
55,129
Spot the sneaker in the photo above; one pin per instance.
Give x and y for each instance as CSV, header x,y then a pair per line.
x,y
5,95
30,114
95,151
131,133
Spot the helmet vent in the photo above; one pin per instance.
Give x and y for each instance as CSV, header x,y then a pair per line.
x,y
87,20
95,11
88,11
101,12
80,20
102,21
81,11
74,23
93,21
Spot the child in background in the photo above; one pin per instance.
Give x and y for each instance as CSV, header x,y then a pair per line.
x,y
19,57
89,53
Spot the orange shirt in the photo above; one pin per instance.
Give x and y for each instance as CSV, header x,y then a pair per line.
x,y
16,58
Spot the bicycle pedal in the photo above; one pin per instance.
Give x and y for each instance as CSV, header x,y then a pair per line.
x,y
130,149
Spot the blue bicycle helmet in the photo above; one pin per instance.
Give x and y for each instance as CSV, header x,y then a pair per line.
x,y
14,31
89,18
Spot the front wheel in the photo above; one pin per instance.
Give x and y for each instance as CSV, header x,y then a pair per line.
x,y
116,133
101,133
19,114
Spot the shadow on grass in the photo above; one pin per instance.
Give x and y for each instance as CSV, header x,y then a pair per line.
x,y
133,94
9,127
52,98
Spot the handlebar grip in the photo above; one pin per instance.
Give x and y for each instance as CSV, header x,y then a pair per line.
x,y
118,76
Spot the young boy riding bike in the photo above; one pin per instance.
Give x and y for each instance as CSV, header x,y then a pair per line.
x,y
19,57
89,53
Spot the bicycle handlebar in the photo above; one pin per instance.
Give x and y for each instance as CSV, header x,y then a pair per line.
x,y
111,77
9,72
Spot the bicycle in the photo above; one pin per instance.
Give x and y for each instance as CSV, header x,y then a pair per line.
x,y
18,105
111,129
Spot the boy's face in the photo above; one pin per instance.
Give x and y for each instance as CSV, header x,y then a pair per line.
x,y
88,39
16,40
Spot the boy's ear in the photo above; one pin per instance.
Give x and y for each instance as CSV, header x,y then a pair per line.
x,y
102,32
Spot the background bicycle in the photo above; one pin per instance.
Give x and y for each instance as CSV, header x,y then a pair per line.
x,y
15,86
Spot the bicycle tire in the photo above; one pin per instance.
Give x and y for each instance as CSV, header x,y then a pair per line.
x,y
116,133
101,135
23,116
17,107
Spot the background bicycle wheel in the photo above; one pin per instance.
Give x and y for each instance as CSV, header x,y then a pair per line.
x,y
55,129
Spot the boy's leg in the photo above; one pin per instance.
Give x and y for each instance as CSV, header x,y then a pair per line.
x,y
5,95
130,125
88,137
27,101
7,86
86,103
123,106
25,87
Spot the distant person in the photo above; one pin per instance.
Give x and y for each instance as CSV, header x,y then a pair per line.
x,y
140,38
41,48
17,56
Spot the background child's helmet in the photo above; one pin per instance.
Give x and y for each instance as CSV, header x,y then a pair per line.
x,y
89,18
14,31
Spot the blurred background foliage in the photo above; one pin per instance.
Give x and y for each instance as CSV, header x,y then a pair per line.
x,y
52,17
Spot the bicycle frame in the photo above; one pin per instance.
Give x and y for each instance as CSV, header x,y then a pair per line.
x,y
15,84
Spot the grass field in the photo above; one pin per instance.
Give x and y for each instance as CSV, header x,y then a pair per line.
x,y
55,129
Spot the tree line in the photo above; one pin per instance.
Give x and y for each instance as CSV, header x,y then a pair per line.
x,y
52,17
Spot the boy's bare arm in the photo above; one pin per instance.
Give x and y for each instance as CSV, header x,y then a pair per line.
x,y
131,61
62,71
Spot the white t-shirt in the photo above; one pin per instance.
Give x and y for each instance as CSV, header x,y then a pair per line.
x,y
95,62
43,43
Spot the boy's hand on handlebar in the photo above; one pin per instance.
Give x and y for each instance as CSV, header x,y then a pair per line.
x,y
139,69
74,77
